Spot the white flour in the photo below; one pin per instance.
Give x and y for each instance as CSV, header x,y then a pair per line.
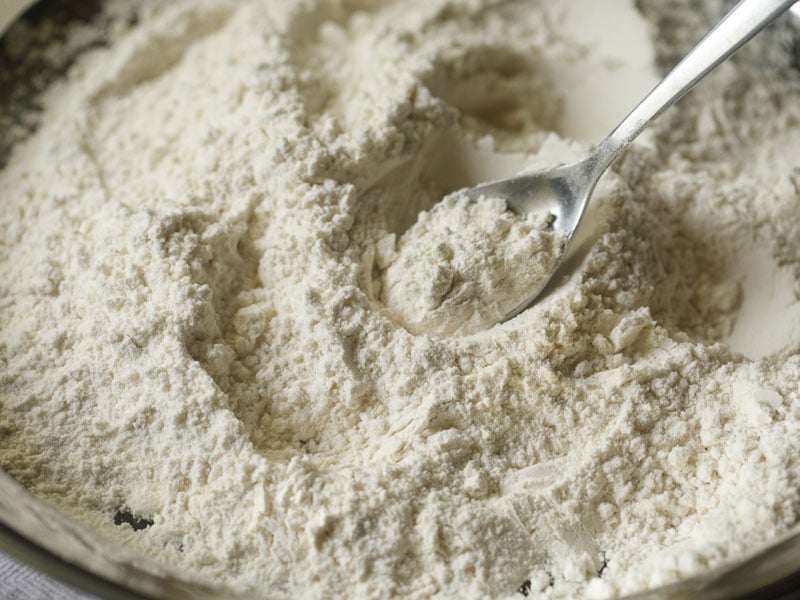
x,y
204,284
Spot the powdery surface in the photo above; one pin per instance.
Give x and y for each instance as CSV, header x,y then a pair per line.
x,y
193,268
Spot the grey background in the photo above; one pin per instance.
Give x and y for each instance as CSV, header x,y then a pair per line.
x,y
21,582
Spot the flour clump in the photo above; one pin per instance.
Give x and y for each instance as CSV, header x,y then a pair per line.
x,y
466,264
238,336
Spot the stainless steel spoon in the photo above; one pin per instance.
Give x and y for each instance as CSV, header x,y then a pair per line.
x,y
565,191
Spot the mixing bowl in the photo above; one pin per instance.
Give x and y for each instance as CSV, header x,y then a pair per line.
x,y
35,532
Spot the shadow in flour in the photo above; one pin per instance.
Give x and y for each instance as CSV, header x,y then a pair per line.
x,y
496,91
27,68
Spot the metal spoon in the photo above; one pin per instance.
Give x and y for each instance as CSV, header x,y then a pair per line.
x,y
565,191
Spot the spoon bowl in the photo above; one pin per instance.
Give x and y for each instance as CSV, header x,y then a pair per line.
x,y
562,192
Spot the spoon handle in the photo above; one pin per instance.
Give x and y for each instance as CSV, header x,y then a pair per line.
x,y
743,22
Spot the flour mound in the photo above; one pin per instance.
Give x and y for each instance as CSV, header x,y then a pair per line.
x,y
465,264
